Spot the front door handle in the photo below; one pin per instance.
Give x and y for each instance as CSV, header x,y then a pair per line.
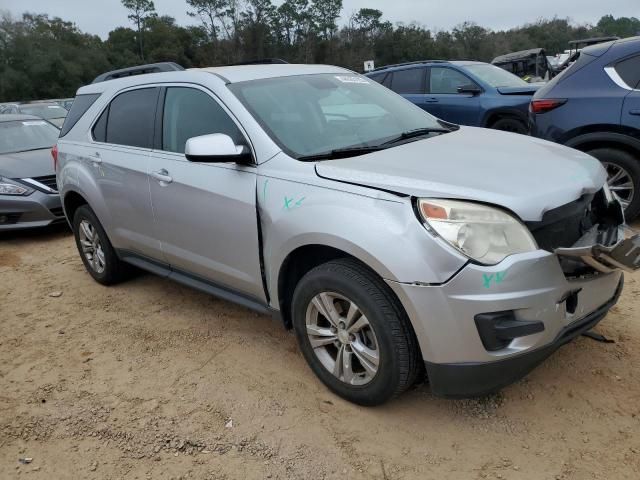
x,y
162,176
634,112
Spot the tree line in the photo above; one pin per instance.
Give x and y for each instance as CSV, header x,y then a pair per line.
x,y
44,57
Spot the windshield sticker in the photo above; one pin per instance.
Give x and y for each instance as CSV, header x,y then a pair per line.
x,y
497,279
352,79
31,123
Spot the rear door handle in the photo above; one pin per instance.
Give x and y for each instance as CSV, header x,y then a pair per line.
x,y
162,176
431,100
634,112
95,159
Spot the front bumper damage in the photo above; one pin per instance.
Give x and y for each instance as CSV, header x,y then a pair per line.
x,y
538,302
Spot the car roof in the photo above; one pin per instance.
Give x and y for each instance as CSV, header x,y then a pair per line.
x,y
399,66
229,74
13,117
625,46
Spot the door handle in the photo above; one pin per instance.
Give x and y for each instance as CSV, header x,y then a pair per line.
x,y
431,100
634,112
162,176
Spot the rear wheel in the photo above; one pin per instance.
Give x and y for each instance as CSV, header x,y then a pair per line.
x,y
96,251
353,333
623,177
513,125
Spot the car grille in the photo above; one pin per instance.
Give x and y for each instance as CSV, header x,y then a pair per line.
x,y
562,227
48,181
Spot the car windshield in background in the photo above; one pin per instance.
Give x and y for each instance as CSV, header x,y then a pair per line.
x,y
315,115
496,76
44,111
23,135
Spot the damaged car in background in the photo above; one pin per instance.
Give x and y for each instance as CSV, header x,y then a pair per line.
x,y
393,243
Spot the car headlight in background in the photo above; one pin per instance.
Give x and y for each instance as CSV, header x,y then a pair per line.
x,y
9,187
485,234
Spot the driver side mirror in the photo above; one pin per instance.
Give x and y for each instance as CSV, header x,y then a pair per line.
x,y
216,148
471,89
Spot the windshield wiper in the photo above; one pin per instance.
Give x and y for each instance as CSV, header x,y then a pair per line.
x,y
342,153
417,132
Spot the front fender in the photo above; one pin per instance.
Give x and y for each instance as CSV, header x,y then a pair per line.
x,y
383,234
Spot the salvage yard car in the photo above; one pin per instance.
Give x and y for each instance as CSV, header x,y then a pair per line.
x,y
393,243
28,195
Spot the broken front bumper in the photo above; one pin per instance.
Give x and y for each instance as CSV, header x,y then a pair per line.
x,y
606,251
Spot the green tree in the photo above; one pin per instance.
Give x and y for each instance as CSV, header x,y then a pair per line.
x,y
140,11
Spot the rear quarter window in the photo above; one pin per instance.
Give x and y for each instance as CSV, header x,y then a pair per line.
x,y
79,107
629,71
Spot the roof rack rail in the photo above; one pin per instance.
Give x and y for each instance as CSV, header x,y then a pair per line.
x,y
410,63
139,70
262,61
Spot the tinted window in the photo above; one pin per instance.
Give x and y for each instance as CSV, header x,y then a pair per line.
x,y
131,118
629,71
408,81
78,109
190,113
19,136
100,127
378,77
447,80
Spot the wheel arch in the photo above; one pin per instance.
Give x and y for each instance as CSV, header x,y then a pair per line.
x,y
71,202
593,140
492,116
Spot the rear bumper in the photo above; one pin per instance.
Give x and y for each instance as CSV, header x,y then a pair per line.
x,y
33,211
475,379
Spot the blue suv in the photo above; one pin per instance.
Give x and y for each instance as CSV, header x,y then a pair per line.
x,y
594,106
466,93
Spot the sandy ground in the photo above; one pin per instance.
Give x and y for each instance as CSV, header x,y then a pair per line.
x,y
150,379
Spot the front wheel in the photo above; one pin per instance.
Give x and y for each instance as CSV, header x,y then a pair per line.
x,y
353,333
623,177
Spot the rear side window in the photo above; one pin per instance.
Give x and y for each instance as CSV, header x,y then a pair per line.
x,y
79,107
130,119
188,113
408,81
629,71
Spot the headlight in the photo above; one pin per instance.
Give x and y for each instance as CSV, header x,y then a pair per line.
x,y
9,187
485,234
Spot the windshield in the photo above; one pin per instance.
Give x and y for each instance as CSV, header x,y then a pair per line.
x,y
44,111
19,136
309,115
496,76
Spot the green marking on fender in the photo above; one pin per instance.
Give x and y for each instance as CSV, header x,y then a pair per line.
x,y
496,279
290,205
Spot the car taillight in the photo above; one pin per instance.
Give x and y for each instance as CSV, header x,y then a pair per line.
x,y
54,154
544,106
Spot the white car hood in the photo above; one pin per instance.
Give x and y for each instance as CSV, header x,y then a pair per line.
x,y
525,175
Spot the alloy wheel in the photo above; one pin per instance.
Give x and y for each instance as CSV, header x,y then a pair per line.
x,y
620,183
91,246
342,338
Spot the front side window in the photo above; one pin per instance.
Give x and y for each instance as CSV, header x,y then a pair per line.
x,y
447,80
129,119
408,81
24,135
310,115
189,113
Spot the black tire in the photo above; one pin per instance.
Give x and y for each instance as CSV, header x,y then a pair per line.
x,y
399,354
509,124
631,165
115,270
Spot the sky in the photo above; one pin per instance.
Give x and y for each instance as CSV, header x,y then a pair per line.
x,y
101,16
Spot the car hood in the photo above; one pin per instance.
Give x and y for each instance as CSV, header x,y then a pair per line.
x,y
525,175
525,90
35,163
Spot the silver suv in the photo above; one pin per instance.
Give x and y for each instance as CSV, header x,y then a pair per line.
x,y
393,243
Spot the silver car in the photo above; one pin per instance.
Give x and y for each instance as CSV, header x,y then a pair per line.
x,y
394,244
49,111
28,191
